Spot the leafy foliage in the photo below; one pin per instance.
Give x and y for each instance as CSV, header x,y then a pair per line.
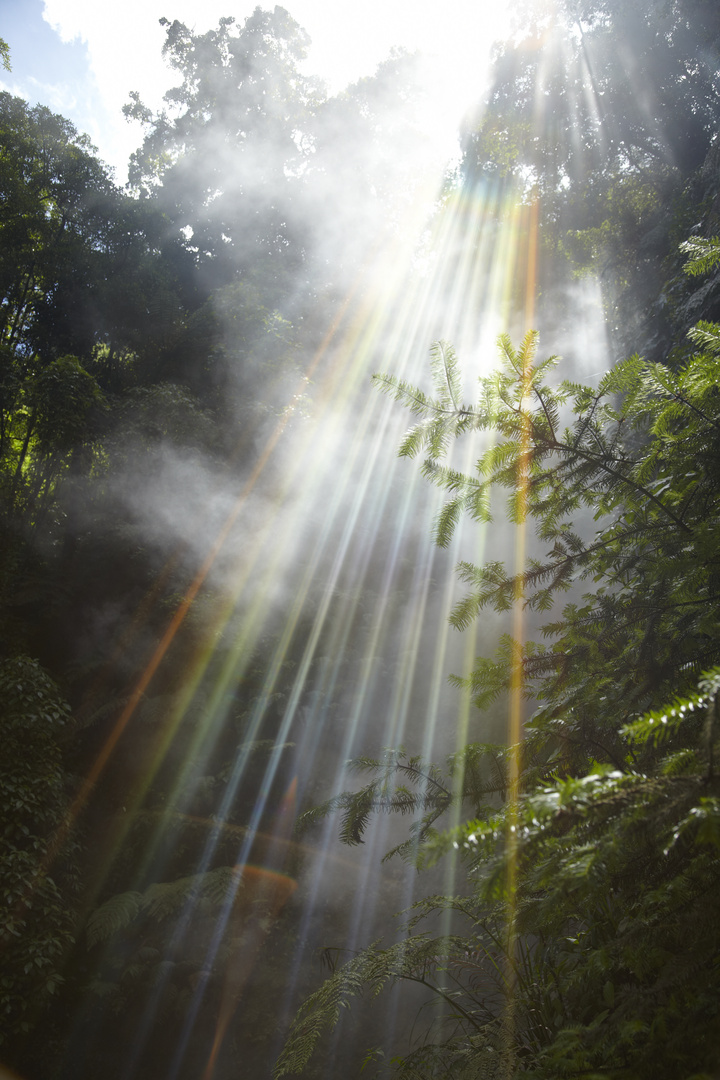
x,y
124,324
412,959
223,160
603,115
39,880
702,254
640,455
163,900
409,785
587,942
589,939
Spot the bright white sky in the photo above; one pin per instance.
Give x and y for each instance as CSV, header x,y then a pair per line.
x,y
82,57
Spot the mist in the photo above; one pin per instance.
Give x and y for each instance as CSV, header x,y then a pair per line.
x,y
224,562
279,537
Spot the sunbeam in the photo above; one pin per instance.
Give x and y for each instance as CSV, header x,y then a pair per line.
x,y
266,680
339,474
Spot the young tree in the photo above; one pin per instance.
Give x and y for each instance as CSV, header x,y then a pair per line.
x,y
586,943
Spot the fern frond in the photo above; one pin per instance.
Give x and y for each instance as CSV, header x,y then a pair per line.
x,y
370,971
446,373
319,813
162,900
703,254
707,336
410,396
447,520
414,440
115,914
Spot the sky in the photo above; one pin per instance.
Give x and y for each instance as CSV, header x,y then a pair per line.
x,y
82,58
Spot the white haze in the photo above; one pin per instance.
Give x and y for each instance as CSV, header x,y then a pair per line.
x,y
348,42
335,524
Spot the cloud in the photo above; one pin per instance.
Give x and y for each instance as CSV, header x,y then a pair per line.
x,y
15,88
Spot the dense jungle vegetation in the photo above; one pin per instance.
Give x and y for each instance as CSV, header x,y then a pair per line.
x,y
170,319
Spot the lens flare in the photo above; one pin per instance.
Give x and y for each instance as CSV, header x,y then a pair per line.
x,y
334,577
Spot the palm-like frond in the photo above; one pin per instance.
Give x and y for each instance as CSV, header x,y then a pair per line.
x,y
163,900
703,254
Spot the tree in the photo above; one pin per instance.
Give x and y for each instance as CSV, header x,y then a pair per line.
x,y
226,159
39,882
586,942
85,269
95,302
57,213
603,115
267,179
600,88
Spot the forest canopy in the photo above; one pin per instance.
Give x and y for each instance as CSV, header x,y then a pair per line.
x,y
216,587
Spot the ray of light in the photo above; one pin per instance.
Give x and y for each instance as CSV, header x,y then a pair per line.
x,y
516,674
360,525
136,694
298,607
